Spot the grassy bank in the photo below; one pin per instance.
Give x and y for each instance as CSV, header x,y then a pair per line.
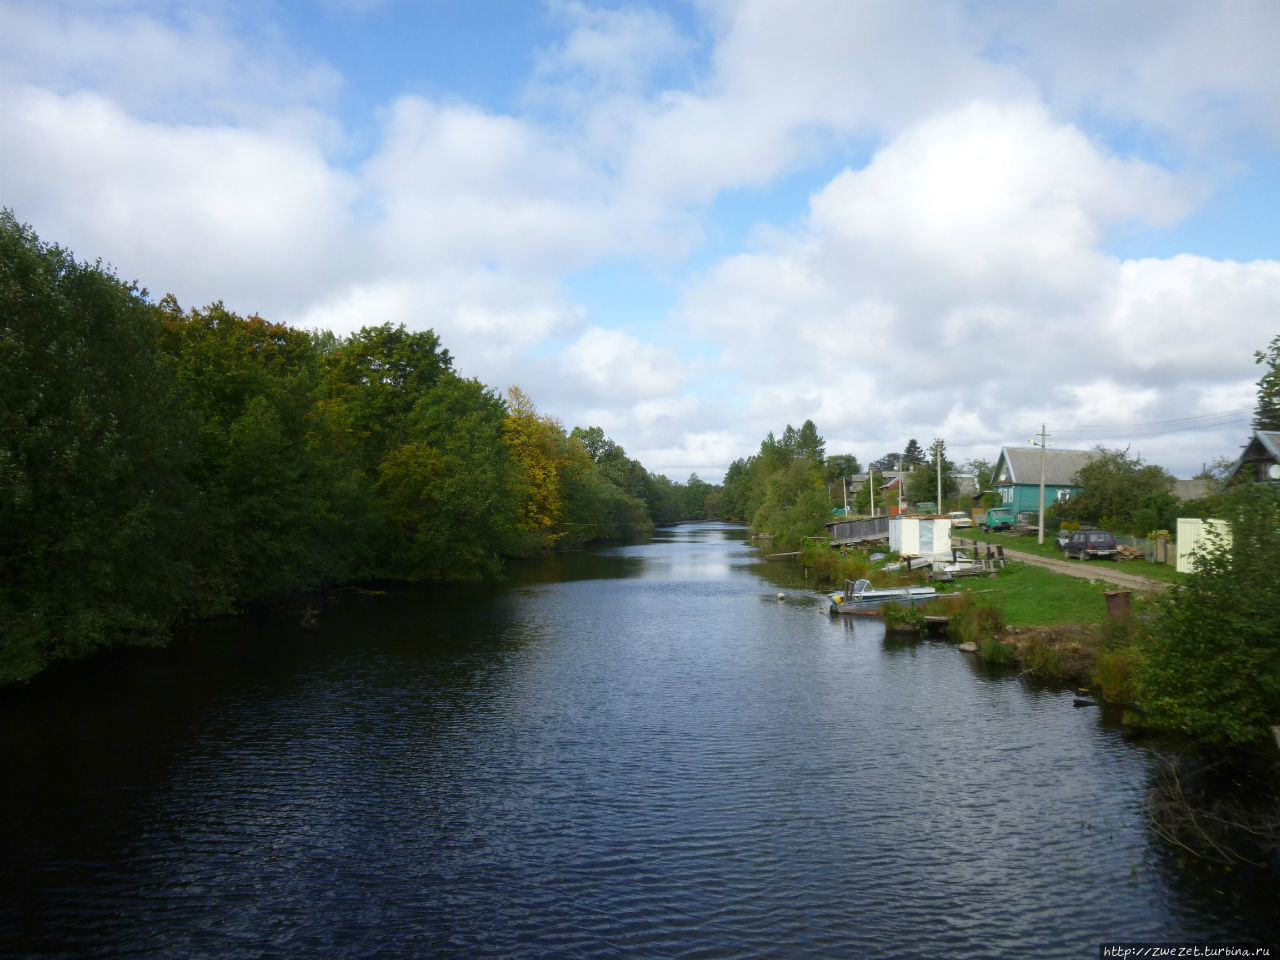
x,y
1047,625
1013,541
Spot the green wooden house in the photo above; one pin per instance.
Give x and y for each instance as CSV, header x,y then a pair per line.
x,y
1016,476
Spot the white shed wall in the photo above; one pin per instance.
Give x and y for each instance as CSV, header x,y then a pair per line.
x,y
1191,532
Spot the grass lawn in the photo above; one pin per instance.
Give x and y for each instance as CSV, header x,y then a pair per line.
x,y
1141,568
1035,597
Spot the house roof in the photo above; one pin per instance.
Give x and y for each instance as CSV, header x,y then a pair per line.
x,y
1262,446
1021,465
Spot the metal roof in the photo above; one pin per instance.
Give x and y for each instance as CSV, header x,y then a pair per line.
x,y
1021,465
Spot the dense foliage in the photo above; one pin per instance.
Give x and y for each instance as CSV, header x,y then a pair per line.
x,y
1120,493
1212,666
788,488
1266,415
157,464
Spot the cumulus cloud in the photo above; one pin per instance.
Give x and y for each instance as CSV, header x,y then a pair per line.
x,y
950,278
955,285
208,210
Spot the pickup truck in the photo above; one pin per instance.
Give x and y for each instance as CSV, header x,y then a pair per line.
x,y
999,518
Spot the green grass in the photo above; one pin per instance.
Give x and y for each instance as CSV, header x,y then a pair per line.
x,y
1035,597
1141,568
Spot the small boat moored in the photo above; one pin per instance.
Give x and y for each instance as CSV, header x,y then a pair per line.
x,y
859,597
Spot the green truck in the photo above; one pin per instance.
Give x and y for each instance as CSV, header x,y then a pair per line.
x,y
999,518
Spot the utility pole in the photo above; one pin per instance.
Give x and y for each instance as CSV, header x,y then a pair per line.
x,y
871,482
1043,443
937,456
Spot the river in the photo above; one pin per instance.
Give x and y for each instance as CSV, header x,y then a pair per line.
x,y
626,751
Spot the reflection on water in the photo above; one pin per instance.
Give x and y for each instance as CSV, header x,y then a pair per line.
x,y
633,750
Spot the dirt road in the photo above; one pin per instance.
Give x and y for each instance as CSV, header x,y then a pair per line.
x,y
1087,571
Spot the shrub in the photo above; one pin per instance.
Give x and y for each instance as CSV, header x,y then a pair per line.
x,y
993,651
899,617
1040,660
977,619
1212,667
1113,674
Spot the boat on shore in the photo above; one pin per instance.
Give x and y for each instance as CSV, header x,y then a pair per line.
x,y
859,597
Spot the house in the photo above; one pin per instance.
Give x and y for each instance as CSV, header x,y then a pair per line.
x,y
1260,462
1016,476
888,495
1194,489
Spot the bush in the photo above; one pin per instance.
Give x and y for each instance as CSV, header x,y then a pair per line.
x,y
977,619
1113,676
993,651
1040,660
899,617
1212,667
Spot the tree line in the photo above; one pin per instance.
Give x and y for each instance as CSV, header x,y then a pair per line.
x,y
158,465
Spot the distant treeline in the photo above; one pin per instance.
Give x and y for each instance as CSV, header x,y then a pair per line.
x,y
159,465
787,488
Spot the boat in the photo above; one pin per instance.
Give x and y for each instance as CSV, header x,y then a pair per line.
x,y
859,597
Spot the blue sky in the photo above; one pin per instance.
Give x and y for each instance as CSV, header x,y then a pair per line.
x,y
692,223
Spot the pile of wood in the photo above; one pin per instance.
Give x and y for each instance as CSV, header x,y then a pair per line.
x,y
1129,553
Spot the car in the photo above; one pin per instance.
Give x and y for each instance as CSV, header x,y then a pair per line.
x,y
999,518
960,519
1091,545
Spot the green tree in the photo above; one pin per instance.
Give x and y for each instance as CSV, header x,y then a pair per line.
x,y
890,461
1267,413
810,447
447,489
913,456
96,513
839,466
1212,665
922,482
863,498
1119,492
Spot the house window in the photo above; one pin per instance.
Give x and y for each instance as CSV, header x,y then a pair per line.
x,y
1064,496
1006,494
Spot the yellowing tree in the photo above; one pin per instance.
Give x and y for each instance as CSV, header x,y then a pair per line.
x,y
535,443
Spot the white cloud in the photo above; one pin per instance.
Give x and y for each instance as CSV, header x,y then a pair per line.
x,y
616,365
207,211
954,283
954,287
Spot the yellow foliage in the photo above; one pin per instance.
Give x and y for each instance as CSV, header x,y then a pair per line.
x,y
534,442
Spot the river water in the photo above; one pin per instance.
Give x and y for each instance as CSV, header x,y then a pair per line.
x,y
629,751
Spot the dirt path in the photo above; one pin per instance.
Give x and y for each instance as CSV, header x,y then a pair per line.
x,y
1088,571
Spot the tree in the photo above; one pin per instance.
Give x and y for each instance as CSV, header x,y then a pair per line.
x,y
922,482
448,488
890,461
1267,414
1212,665
913,456
809,446
840,465
863,498
535,444
983,472
1120,493
97,517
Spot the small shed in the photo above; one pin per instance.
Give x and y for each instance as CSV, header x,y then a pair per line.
x,y
1192,532
919,535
